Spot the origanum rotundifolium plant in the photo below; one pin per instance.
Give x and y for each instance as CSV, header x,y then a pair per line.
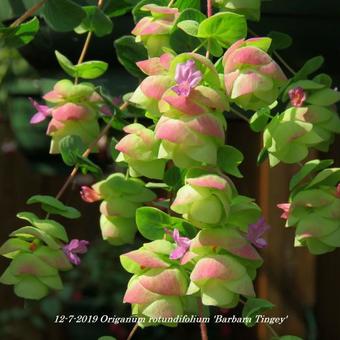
x,y
202,237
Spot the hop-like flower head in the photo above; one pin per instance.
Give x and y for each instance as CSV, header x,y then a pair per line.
x,y
252,78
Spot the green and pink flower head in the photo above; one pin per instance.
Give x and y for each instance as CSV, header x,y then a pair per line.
x,y
187,77
252,78
154,31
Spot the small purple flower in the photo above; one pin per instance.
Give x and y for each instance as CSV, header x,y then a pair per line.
x,y
187,77
75,247
43,111
183,244
255,231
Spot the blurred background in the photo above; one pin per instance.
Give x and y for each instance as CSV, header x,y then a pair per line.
x,y
304,287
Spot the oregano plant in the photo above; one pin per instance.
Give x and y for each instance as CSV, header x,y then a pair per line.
x,y
196,68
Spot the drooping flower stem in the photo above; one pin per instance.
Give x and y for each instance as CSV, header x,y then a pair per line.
x,y
133,331
88,151
28,13
203,326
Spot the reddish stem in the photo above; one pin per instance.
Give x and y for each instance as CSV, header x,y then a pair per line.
x,y
209,8
203,326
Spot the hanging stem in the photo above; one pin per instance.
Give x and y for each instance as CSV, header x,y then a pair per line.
x,y
239,114
87,152
284,63
203,326
171,3
28,13
133,331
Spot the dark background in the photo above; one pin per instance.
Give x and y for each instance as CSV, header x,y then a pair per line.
x,y
300,285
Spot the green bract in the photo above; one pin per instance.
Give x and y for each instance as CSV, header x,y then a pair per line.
x,y
204,200
121,197
315,211
289,135
157,289
74,110
140,150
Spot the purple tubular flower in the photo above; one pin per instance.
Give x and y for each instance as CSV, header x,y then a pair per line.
x,y
183,244
75,247
43,111
187,77
255,231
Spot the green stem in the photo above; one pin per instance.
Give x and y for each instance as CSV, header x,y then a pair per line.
x,y
133,331
198,47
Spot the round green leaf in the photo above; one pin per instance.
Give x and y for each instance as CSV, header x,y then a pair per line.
x,y
63,15
225,28
253,307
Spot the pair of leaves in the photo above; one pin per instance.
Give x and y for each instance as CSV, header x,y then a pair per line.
x,y
19,36
53,206
72,149
96,21
218,31
151,223
87,70
228,159
50,227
